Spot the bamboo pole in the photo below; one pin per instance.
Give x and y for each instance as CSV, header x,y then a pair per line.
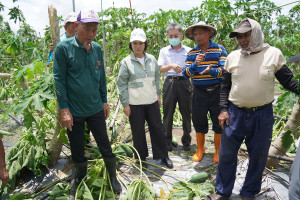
x,y
55,143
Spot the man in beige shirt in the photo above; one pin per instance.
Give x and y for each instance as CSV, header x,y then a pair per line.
x,y
246,96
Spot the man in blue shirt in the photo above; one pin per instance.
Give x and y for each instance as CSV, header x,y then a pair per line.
x,y
204,64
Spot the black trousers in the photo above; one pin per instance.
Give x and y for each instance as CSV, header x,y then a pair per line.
x,y
203,102
151,114
97,125
177,91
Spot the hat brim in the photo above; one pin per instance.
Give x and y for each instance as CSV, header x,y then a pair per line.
x,y
239,30
294,58
71,20
189,31
89,21
138,39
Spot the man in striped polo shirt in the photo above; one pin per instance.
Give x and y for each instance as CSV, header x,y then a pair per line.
x,y
204,64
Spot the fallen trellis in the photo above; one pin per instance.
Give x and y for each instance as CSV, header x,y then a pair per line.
x,y
284,158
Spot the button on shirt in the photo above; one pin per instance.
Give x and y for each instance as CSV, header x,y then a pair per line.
x,y
167,55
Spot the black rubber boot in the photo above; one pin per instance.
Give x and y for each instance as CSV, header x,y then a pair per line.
x,y
78,173
110,164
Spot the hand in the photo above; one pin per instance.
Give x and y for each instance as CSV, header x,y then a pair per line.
x,y
66,118
177,68
106,110
223,117
4,176
127,110
207,70
159,102
200,58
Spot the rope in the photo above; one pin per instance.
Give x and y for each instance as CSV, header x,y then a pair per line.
x,y
130,8
131,13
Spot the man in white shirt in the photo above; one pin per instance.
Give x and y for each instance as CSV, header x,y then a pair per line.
x,y
176,88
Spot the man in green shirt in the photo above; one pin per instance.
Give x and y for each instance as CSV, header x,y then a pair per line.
x,y
80,80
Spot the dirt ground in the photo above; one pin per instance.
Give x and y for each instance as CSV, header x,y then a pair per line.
x,y
275,182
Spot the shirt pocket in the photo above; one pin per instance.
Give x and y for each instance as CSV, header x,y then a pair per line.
x,y
136,84
266,73
234,70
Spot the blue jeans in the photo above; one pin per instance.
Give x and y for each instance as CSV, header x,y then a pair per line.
x,y
256,129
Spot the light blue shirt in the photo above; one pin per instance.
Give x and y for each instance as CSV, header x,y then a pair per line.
x,y
167,55
63,37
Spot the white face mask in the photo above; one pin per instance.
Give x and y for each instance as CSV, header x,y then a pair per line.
x,y
174,41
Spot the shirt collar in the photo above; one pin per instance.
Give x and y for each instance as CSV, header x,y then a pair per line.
x,y
132,56
210,45
181,47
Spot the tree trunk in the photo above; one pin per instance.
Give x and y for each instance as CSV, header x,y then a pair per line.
x,y
55,143
277,147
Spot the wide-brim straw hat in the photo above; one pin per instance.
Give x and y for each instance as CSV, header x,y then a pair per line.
x,y
189,30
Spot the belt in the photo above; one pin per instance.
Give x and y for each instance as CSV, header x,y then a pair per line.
x,y
176,77
210,89
253,109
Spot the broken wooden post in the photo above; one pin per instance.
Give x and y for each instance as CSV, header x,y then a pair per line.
x,y
55,143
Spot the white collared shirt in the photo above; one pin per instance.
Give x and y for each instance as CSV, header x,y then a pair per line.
x,y
167,55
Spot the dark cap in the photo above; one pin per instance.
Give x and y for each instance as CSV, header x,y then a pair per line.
x,y
294,58
243,27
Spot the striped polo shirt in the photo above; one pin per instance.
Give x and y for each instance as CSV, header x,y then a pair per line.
x,y
215,56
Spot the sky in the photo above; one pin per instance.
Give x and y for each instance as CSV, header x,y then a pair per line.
x,y
36,11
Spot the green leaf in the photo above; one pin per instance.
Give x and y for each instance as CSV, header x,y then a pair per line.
x,y
22,106
287,139
14,169
47,95
37,102
99,183
59,188
87,195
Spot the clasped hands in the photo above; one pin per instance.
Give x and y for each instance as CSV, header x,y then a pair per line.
x,y
199,59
